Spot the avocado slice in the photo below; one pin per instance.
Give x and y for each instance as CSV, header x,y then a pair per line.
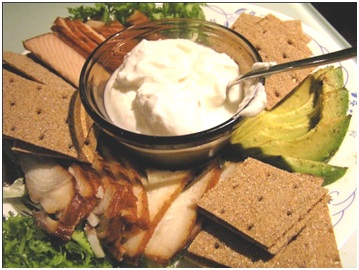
x,y
296,113
275,131
330,77
333,118
318,144
295,118
339,97
304,92
316,135
328,172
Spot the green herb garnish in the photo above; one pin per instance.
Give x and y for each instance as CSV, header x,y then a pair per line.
x,y
121,11
25,245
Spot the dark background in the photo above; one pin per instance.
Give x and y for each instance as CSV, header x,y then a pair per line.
x,y
343,17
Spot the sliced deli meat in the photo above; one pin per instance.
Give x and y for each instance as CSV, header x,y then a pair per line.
x,y
176,228
56,54
162,188
67,31
89,31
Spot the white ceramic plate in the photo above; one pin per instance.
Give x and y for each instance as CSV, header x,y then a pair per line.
x,y
343,205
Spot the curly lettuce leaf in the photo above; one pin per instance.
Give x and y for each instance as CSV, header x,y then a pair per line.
x,y
98,12
121,11
25,245
183,10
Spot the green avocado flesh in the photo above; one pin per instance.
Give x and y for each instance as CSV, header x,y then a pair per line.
x,y
307,126
328,172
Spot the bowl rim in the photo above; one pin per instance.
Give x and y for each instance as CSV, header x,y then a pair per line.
x,y
182,141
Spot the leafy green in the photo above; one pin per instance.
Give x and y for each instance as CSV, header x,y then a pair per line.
x,y
121,11
25,245
183,10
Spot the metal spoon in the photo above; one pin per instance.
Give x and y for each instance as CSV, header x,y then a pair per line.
x,y
293,65
299,64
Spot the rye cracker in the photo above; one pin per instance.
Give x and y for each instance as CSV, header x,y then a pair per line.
x,y
86,152
276,41
83,130
262,203
23,147
315,246
34,70
40,115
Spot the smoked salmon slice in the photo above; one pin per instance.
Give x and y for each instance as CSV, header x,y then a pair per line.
x,y
56,54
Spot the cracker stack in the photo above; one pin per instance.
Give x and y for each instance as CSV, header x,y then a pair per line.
x,y
266,217
43,114
276,41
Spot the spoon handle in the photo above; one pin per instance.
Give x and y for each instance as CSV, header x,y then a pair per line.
x,y
299,64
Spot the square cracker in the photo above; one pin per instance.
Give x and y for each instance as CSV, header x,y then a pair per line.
x,y
262,203
82,129
35,71
41,115
315,246
86,153
278,41
23,147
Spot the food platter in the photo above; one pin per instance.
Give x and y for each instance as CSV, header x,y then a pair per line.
x,y
343,206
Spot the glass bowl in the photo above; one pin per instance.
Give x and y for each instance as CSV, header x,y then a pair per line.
x,y
163,151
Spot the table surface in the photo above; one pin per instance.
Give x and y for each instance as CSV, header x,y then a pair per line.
x,y
25,20
342,16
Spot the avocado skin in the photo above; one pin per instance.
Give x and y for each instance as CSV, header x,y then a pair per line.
x,y
303,132
328,172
